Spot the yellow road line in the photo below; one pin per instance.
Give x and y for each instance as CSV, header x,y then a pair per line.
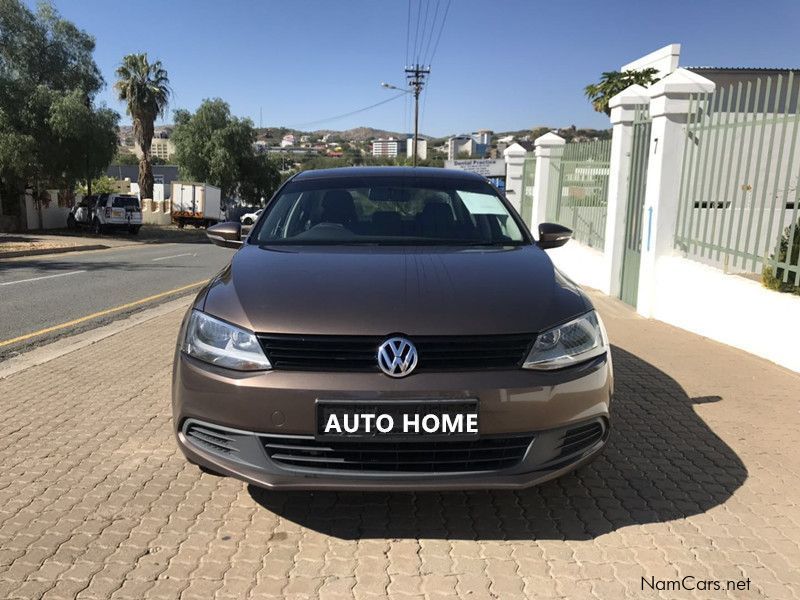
x,y
107,311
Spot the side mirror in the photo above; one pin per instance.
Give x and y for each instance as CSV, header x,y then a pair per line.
x,y
227,235
553,235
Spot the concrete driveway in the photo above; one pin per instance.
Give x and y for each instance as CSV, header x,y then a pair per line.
x,y
699,483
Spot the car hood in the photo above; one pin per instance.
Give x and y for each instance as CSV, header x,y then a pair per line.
x,y
373,290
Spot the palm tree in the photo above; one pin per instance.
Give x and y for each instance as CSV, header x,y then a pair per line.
x,y
144,86
613,82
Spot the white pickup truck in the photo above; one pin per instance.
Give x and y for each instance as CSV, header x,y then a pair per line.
x,y
107,211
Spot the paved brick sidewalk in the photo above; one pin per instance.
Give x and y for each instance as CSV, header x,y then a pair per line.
x,y
700,479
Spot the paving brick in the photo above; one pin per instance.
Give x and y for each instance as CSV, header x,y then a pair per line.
x,y
699,478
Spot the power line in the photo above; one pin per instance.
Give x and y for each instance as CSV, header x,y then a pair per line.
x,y
424,28
441,28
433,26
348,114
408,29
416,33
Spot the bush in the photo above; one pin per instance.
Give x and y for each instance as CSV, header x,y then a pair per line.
x,y
772,276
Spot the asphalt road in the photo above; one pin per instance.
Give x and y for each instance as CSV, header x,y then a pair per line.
x,y
46,292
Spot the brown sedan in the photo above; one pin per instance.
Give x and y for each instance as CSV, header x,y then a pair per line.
x,y
391,328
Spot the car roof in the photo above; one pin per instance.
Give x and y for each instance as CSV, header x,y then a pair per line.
x,y
403,172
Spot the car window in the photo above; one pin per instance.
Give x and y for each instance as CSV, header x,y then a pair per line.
x,y
388,210
125,202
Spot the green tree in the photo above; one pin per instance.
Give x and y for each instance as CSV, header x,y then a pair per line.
x,y
125,158
86,137
213,146
786,253
144,87
100,185
48,80
613,82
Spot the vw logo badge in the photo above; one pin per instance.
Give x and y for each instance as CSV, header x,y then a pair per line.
x,y
397,357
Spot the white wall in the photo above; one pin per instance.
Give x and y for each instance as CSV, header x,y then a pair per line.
x,y
582,264
665,60
728,308
52,216
158,191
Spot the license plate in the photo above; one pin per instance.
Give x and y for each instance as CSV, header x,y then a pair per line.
x,y
397,420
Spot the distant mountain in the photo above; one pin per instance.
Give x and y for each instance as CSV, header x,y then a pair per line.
x,y
358,134
362,134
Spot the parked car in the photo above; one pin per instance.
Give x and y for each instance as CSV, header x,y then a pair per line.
x,y
104,212
394,329
252,217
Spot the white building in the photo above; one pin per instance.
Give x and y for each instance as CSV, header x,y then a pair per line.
x,y
160,147
390,147
483,136
422,148
288,140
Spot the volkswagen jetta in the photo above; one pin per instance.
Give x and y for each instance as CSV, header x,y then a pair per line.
x,y
391,328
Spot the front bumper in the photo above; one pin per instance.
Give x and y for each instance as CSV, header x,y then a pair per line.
x,y
248,409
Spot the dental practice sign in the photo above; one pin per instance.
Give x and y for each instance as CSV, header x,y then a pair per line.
x,y
488,167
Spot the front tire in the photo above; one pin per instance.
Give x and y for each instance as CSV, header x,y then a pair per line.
x,y
97,227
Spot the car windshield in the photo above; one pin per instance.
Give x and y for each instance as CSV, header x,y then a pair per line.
x,y
388,210
125,202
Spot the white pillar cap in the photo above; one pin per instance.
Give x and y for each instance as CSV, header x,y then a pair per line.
x,y
670,96
623,104
549,139
630,96
681,81
514,150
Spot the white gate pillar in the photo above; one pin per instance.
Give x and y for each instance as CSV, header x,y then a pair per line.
x,y
669,107
548,150
623,108
515,163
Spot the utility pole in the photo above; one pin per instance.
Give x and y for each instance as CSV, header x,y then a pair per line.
x,y
415,75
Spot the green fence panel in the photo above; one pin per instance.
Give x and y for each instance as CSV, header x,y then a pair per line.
x,y
580,201
740,178
528,179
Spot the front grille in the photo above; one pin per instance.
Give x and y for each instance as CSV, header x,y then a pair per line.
x,y
485,454
359,353
581,438
211,439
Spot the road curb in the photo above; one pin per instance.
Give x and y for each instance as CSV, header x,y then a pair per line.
x,y
64,346
44,251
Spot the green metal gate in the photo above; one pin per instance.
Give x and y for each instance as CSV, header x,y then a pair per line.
x,y
634,214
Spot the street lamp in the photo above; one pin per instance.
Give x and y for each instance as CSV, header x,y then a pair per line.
x,y
389,86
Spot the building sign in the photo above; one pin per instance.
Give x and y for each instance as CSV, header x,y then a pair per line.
x,y
488,167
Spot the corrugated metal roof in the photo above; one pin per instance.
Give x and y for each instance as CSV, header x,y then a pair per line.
x,y
740,69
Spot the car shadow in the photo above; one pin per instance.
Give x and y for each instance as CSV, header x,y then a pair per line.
x,y
662,463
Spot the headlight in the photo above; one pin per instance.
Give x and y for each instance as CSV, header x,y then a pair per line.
x,y
567,344
224,345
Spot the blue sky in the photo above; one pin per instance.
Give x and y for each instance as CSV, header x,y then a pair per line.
x,y
502,65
